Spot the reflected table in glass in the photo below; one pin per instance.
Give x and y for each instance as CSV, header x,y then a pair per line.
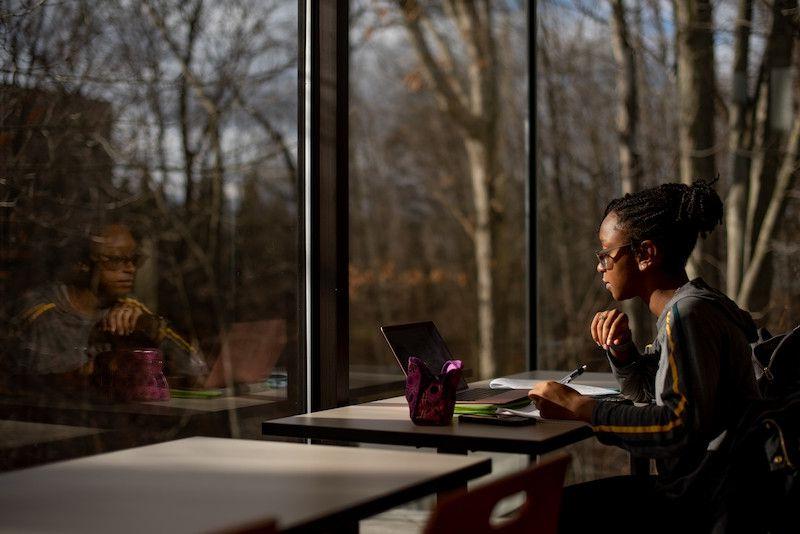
x,y
24,443
145,414
116,426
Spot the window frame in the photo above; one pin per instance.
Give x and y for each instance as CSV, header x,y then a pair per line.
x,y
328,301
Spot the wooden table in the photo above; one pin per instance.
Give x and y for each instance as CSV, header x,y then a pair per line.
x,y
211,484
387,422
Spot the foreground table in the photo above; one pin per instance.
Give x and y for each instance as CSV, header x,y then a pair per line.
x,y
212,484
387,422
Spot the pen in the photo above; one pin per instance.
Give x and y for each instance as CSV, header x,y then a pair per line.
x,y
573,375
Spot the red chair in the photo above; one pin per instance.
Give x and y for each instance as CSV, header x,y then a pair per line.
x,y
471,511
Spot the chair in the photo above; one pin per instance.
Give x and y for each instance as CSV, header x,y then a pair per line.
x,y
471,511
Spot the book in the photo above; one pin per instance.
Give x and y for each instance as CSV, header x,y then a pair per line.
x,y
488,408
516,383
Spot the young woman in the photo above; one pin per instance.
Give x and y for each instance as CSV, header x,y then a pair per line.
x,y
59,328
688,386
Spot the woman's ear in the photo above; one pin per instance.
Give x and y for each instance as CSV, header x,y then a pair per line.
x,y
646,255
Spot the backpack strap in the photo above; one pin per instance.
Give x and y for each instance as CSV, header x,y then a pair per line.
x,y
782,367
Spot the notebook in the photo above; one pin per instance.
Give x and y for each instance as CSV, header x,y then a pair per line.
x,y
423,341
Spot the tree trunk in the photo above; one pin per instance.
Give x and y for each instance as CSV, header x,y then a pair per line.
x,y
479,163
696,89
216,212
183,106
628,108
662,40
784,181
773,114
475,113
740,150
630,161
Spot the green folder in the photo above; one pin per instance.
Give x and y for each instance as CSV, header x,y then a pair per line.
x,y
488,408
196,393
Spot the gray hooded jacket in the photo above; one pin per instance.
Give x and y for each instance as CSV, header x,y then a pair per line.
x,y
694,381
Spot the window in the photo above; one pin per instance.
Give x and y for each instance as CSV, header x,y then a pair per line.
x,y
149,199
612,118
438,173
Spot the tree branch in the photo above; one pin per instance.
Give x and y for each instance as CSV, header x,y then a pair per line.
x,y
783,183
466,224
198,88
447,96
274,133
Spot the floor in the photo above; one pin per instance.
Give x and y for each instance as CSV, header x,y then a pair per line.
x,y
590,460
397,521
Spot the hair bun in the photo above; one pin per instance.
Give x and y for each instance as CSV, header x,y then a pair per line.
x,y
700,207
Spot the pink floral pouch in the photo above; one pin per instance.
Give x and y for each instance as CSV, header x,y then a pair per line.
x,y
432,398
126,375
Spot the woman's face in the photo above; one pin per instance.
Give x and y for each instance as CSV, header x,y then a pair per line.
x,y
618,265
116,259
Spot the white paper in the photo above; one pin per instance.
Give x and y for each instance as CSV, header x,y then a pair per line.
x,y
593,391
526,411
516,383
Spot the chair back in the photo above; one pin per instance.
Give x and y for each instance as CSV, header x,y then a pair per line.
x,y
471,511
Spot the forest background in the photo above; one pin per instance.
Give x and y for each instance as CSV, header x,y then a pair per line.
x,y
181,116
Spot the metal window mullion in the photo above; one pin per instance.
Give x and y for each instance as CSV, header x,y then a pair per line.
x,y
328,324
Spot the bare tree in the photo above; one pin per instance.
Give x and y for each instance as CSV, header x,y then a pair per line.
x,y
771,145
630,162
175,100
474,110
784,180
560,180
628,108
735,204
696,92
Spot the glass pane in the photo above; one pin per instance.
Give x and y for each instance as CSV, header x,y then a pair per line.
x,y
609,107
635,94
148,222
576,176
438,167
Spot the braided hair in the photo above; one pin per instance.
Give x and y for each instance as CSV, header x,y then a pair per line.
x,y
671,215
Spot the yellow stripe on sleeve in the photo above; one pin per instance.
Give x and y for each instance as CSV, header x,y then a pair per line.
x,y
31,314
170,333
679,409
165,331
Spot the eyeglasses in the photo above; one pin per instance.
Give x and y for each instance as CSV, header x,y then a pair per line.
x,y
115,263
605,258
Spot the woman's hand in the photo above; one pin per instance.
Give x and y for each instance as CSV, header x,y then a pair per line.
x,y
610,329
121,319
558,401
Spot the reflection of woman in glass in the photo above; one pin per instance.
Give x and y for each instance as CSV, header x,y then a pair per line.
x,y
689,385
58,329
